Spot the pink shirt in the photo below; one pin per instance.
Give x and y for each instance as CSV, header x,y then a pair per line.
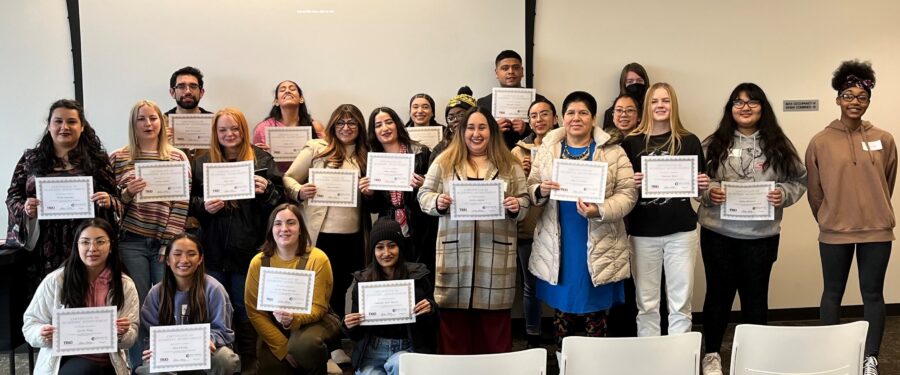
x,y
99,289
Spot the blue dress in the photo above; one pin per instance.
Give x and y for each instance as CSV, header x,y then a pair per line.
x,y
575,293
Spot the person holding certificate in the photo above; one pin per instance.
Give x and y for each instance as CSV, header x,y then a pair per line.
x,y
509,72
475,279
92,276
233,230
456,107
293,341
581,270
288,109
852,168
664,230
187,295
338,231
419,229
69,147
148,227
421,111
747,147
378,347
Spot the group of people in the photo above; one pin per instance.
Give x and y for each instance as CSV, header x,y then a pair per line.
x,y
599,266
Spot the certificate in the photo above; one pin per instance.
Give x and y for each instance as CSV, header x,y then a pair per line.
x,y
88,330
285,289
747,201
387,302
228,181
180,348
166,181
511,103
334,187
286,142
191,130
391,172
669,176
65,197
427,135
579,179
477,200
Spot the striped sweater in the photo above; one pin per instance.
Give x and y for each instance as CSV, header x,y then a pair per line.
x,y
159,220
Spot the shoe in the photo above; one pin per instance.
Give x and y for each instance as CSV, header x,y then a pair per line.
x,y
340,356
870,366
712,364
333,368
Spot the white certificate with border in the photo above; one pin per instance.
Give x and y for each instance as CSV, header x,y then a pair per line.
x,y
477,200
180,348
286,142
166,181
285,289
387,302
391,172
64,197
427,135
511,102
669,176
579,179
228,181
191,130
334,187
86,330
747,201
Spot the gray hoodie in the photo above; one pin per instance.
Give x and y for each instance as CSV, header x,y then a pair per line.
x,y
748,167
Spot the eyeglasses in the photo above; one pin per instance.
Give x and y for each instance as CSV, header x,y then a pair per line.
x,y
185,86
626,111
536,115
100,242
346,124
455,117
738,103
862,98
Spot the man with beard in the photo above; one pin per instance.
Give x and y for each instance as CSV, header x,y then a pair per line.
x,y
509,71
186,87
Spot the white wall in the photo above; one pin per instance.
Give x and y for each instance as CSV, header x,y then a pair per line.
x,y
705,48
36,71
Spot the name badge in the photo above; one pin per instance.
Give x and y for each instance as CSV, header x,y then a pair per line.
x,y
872,146
735,152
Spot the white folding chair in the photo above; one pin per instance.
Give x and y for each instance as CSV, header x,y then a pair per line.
x,y
671,355
526,362
825,350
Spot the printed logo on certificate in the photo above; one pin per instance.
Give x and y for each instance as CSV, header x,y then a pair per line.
x,y
579,179
389,171
285,289
166,181
191,130
477,200
87,330
669,176
286,142
747,201
334,187
387,302
180,348
511,102
228,181
427,135
65,197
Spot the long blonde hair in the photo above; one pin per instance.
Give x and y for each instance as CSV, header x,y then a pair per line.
x,y
163,148
497,152
216,154
334,152
646,125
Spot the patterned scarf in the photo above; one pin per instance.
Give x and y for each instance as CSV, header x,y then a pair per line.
x,y
397,202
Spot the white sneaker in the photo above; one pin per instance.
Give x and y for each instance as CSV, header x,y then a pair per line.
x,y
870,366
333,368
340,356
712,364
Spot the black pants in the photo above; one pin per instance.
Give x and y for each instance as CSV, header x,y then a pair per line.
x,y
346,252
872,261
75,365
732,266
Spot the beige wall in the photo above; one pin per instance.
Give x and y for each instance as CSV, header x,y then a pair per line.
x,y
705,48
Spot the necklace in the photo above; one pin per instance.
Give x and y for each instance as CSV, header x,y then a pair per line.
x,y
567,154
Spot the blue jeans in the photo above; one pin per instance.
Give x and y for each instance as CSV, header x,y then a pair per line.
x,y
531,304
140,255
234,284
383,356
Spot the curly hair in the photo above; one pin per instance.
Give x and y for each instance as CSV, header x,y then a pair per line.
x,y
89,155
860,69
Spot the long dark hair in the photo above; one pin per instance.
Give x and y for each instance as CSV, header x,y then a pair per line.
x,y
75,281
269,246
305,118
88,155
334,151
433,121
402,134
374,272
197,303
778,149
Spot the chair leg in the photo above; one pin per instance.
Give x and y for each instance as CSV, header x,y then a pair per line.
x,y
12,361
